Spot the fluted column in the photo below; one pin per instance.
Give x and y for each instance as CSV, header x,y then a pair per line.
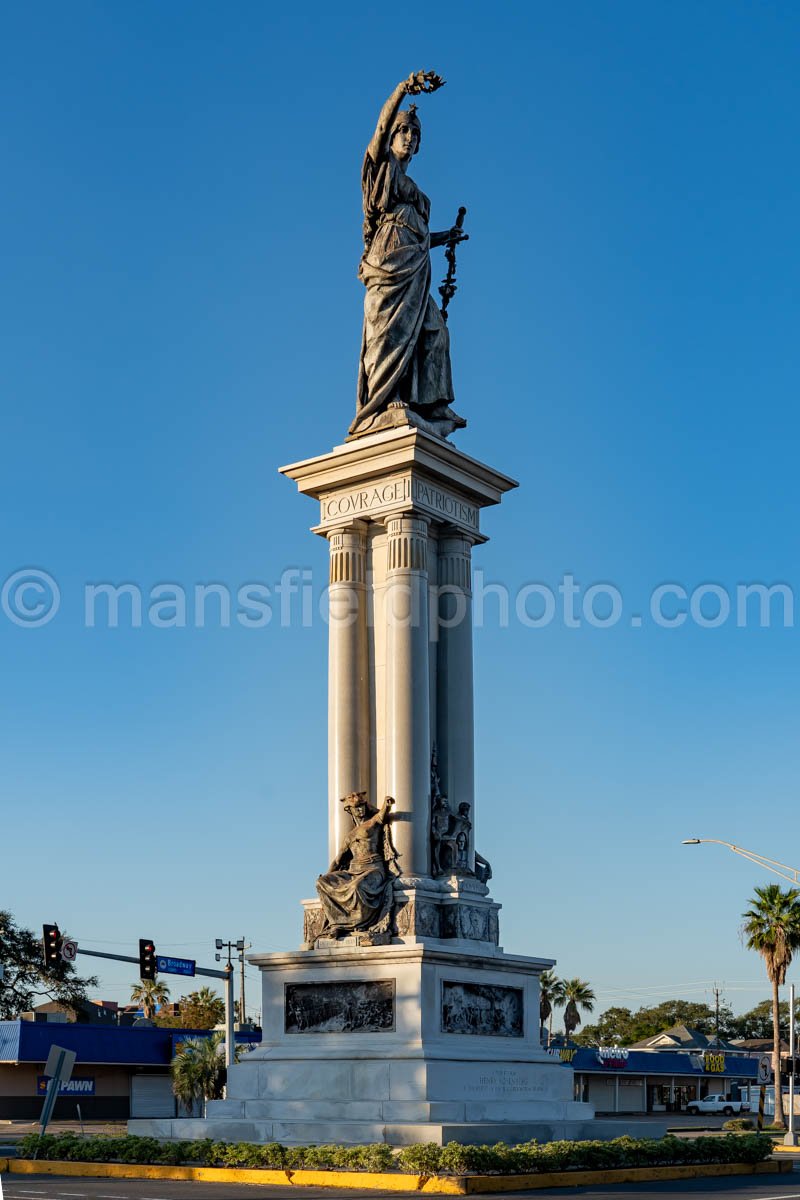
x,y
407,712
454,695
348,695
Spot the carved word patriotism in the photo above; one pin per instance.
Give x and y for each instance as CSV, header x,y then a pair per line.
x,y
391,493
436,500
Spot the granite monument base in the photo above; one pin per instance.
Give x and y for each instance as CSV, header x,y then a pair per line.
x,y
405,1043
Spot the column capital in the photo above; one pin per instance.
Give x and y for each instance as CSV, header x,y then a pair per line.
x,y
458,538
455,561
354,527
407,535
348,549
412,514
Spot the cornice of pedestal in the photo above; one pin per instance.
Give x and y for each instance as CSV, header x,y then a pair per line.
x,y
400,471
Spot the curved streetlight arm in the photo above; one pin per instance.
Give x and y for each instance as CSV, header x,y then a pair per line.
x,y
769,864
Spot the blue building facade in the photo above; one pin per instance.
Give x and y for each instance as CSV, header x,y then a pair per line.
x,y
118,1071
656,1081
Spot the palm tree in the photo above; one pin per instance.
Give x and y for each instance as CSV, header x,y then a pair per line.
x,y
206,995
772,927
198,1070
551,995
149,993
577,995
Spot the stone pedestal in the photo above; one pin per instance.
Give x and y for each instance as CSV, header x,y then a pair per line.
x,y
400,1044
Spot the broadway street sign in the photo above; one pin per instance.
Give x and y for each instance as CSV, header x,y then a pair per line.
x,y
175,966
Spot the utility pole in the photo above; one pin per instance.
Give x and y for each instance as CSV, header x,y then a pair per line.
x,y
241,946
716,1013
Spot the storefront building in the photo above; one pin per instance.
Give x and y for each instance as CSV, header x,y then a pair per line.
x,y
616,1080
119,1072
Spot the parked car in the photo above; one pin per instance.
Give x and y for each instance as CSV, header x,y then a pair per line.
x,y
723,1105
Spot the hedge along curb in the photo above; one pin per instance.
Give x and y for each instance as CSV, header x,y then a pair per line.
x,y
462,1185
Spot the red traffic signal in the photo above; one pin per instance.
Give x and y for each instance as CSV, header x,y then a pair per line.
x,y
51,945
147,959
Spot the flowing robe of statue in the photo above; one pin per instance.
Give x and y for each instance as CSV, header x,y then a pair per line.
x,y
405,346
357,893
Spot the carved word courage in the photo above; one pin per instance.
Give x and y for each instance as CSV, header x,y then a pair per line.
x,y
366,499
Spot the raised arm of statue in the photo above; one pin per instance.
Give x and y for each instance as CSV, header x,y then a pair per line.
x,y
418,81
385,810
378,146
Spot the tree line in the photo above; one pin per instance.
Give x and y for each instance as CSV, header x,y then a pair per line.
x,y
618,1025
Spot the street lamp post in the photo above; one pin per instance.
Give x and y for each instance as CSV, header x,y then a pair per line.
x,y
791,1137
230,1036
792,874
769,864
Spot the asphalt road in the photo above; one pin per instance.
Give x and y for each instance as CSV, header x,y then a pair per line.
x,y
773,1187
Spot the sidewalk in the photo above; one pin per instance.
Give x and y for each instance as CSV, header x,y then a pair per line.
x,y
12,1131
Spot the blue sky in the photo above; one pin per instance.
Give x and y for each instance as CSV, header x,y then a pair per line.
x,y
181,315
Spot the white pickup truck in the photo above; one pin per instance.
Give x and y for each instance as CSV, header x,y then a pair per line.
x,y
717,1104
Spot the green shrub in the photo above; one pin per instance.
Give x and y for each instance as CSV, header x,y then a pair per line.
x,y
738,1123
430,1159
423,1159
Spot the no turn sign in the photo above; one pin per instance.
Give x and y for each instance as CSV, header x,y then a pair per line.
x,y
69,950
764,1069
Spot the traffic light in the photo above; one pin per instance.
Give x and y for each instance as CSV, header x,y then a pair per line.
x,y
786,1067
147,959
51,946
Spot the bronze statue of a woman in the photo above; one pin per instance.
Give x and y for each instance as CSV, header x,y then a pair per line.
x,y
357,892
405,348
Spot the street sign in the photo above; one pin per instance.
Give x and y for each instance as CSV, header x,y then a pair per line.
x,y
69,950
59,1067
60,1063
764,1069
175,966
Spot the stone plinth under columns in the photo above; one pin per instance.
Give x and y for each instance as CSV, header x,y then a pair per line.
x,y
397,1044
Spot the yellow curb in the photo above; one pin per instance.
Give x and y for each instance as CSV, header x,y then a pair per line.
x,y
552,1179
332,1179
462,1185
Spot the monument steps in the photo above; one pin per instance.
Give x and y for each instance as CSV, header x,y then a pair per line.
x,y
359,1133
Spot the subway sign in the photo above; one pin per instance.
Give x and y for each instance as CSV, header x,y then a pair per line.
x,y
69,1087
